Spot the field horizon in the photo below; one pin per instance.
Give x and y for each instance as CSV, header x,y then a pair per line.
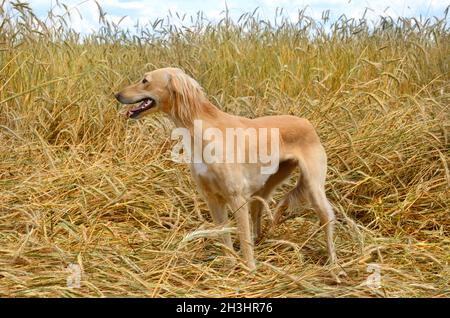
x,y
80,186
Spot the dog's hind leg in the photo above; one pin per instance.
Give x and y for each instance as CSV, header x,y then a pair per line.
x,y
310,189
256,207
314,169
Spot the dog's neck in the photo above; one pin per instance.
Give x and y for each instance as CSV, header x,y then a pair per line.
x,y
208,113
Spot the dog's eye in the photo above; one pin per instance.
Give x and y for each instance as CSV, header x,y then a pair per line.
x,y
144,81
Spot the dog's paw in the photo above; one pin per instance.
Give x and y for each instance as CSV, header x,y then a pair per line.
x,y
230,263
338,277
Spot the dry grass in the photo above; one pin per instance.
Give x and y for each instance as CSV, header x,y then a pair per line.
x,y
80,185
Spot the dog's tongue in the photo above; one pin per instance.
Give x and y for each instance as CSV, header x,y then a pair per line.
x,y
142,106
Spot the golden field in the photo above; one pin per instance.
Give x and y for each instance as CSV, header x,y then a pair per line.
x,y
81,185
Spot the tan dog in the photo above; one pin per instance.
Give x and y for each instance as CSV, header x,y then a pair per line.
x,y
173,92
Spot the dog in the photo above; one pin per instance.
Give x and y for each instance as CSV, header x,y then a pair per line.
x,y
236,184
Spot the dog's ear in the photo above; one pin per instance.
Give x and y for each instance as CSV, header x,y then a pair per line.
x,y
186,95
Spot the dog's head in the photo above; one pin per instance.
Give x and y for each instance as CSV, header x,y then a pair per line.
x,y
167,89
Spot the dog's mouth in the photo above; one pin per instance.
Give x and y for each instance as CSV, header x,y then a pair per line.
x,y
145,104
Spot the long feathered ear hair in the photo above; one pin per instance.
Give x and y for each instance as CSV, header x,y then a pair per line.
x,y
187,97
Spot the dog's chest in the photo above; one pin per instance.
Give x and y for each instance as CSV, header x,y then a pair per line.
x,y
208,175
228,179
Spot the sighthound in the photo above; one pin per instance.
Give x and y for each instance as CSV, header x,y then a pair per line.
x,y
233,184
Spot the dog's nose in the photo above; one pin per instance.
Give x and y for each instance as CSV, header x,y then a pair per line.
x,y
117,95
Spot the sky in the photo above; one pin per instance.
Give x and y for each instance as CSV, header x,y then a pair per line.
x,y
150,10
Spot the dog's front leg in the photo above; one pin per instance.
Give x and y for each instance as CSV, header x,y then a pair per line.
x,y
240,210
219,215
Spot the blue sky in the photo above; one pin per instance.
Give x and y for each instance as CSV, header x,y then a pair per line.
x,y
149,10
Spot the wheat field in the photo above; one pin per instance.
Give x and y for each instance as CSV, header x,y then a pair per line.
x,y
81,185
